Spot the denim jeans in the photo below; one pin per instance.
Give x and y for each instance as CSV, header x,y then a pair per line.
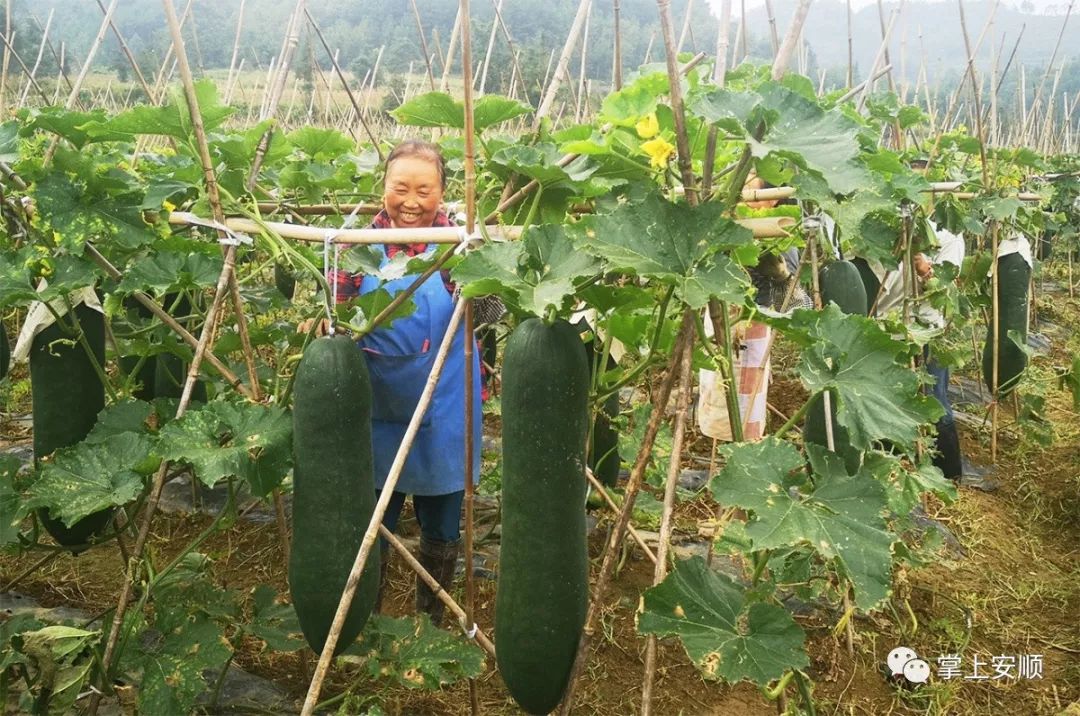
x,y
439,515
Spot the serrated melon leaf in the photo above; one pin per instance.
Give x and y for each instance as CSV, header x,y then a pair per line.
x,y
222,439
839,516
878,395
90,477
726,637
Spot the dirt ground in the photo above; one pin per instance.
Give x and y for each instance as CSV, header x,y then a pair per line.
x,y
1015,591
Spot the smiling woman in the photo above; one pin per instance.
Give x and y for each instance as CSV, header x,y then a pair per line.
x,y
414,185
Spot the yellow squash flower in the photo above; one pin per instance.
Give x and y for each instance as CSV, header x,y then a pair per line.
x,y
659,151
647,127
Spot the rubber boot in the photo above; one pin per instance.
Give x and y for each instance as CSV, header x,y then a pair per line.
x,y
948,458
440,560
384,570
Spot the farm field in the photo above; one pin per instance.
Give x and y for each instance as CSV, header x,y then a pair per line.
x,y
705,390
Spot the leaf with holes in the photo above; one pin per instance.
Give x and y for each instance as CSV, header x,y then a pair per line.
x,y
12,509
415,653
274,621
839,516
223,439
726,636
89,477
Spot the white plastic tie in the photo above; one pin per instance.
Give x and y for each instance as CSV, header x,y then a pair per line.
x,y
330,273
231,238
471,633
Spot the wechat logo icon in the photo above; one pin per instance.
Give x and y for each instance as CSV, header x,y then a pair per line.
x,y
905,664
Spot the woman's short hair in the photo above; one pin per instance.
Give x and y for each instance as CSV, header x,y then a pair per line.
x,y
422,149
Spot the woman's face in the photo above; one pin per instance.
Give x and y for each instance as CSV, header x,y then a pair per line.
x,y
413,192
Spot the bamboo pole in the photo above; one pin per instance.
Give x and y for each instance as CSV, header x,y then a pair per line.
x,y
490,47
878,59
234,72
200,351
563,66
850,50
292,39
616,60
450,49
89,61
29,74
7,56
513,54
470,342
599,488
719,78
385,494
774,38
685,27
345,84
581,78
423,44
37,63
414,564
674,467
1049,68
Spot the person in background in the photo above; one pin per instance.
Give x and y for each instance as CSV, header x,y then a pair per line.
x,y
890,294
399,361
751,344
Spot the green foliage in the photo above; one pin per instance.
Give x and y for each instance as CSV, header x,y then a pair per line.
x,y
224,439
726,635
414,653
541,271
837,515
879,396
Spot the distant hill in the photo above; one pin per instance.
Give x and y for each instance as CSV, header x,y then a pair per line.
x,y
357,30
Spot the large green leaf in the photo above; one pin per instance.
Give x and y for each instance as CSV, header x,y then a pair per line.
x,y
62,657
541,162
90,477
174,662
726,636
796,129
541,271
879,397
12,510
839,516
78,214
415,653
127,416
172,119
162,270
824,142
675,244
438,109
223,439
321,142
274,621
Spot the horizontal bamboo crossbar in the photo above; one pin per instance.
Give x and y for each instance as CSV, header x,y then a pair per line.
x,y
763,228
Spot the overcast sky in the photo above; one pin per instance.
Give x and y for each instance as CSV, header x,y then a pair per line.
x,y
1040,5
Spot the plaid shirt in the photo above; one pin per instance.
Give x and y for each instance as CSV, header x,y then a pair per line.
x,y
348,284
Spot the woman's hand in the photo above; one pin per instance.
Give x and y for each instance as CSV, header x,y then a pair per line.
x,y
321,329
923,268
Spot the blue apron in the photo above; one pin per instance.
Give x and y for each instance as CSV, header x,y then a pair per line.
x,y
399,360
